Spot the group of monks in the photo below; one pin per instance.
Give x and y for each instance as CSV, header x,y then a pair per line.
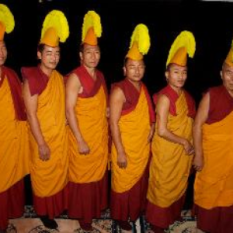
x,y
58,129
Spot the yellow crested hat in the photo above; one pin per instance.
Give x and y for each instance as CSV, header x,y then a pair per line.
x,y
183,45
7,22
91,28
55,28
140,43
229,58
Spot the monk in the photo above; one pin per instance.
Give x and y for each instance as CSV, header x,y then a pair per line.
x,y
14,149
213,141
132,125
172,148
86,110
44,96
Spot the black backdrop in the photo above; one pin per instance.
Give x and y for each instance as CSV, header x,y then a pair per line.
x,y
210,22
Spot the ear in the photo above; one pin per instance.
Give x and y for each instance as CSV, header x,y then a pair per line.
x,y
81,56
124,70
221,74
167,74
39,55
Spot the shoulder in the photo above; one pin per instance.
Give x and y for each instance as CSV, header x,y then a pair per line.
x,y
29,72
99,73
188,96
119,85
117,95
11,72
164,93
216,89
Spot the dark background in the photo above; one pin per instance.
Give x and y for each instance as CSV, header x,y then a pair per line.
x,y
210,22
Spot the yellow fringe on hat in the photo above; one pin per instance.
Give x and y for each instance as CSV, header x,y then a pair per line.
x,y
57,20
142,37
229,58
91,20
7,18
184,39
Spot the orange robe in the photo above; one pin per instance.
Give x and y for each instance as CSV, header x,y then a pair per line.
x,y
49,178
134,127
170,165
14,149
87,173
213,188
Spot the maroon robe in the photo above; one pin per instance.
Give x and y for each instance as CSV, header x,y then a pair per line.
x,y
156,215
86,201
131,203
11,205
218,219
54,205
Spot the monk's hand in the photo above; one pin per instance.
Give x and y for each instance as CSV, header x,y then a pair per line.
x,y
83,148
122,160
198,162
188,147
44,152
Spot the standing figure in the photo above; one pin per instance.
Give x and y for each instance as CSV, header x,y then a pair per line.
x,y
172,147
213,142
44,97
86,110
14,147
132,125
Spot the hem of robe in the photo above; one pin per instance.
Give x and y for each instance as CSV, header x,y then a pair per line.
x,y
163,217
216,220
87,200
51,206
12,203
132,203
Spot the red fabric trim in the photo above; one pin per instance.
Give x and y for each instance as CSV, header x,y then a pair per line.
x,y
173,96
221,104
90,86
150,105
37,80
86,201
132,96
16,92
216,220
11,203
52,206
130,204
163,217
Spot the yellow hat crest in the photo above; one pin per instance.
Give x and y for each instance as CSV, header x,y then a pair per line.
x,y
140,42
55,28
229,58
183,44
91,28
7,22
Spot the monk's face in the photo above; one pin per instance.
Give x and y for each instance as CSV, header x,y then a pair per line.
x,y
3,53
227,77
49,57
176,76
90,56
134,70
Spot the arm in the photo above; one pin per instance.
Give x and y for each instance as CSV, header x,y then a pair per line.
x,y
73,88
31,108
200,119
117,100
162,111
